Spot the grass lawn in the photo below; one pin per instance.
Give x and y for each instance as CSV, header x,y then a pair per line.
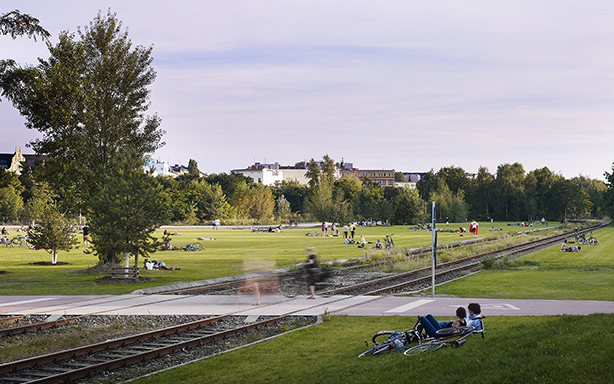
x,y
544,349
539,349
549,274
228,255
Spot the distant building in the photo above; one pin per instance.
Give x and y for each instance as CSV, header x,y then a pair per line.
x,y
385,177
164,169
14,162
268,174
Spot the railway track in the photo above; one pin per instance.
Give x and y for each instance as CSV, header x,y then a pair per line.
x,y
422,278
90,360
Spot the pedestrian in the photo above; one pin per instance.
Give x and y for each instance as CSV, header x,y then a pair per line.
x,y
313,271
346,230
352,229
86,236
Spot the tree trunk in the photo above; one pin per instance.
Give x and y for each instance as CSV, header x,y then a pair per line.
x,y
54,256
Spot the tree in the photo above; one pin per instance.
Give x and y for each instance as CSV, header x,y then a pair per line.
x,y
193,171
427,185
209,199
399,176
261,202
293,192
509,189
320,202
53,233
11,203
41,200
455,177
88,100
313,173
608,195
283,210
408,206
126,210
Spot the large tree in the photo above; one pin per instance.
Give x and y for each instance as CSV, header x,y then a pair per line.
x,y
126,210
89,101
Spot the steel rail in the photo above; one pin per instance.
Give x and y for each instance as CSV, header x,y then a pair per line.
x,y
37,326
448,267
78,373
88,349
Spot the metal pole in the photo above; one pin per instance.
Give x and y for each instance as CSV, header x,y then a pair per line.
x,y
434,247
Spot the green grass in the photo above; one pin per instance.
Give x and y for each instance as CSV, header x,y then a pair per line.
x,y
232,253
545,349
549,274
539,349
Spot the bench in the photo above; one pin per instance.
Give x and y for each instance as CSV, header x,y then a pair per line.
x,y
124,272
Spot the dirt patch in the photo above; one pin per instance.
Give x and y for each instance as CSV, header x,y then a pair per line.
x,y
50,263
122,280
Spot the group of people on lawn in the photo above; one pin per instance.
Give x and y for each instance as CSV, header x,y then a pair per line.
x,y
428,326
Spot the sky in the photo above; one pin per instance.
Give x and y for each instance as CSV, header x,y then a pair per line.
x,y
405,85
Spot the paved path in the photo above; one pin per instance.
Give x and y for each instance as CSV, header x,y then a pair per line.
x,y
277,305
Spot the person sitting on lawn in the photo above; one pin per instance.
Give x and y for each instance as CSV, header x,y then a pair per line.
x,y
161,265
564,246
474,310
378,244
148,264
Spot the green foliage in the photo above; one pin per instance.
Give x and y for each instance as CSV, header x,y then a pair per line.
x,y
283,210
53,232
408,207
42,199
293,192
88,100
126,210
320,201
208,199
608,195
16,24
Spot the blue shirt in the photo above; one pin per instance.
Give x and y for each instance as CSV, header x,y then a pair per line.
x,y
473,322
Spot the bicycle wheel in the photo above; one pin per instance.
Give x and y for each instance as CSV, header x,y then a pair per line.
x,y
426,347
16,243
197,247
382,333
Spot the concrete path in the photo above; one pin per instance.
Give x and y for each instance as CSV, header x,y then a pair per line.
x,y
277,305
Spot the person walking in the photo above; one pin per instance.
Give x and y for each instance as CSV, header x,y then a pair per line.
x,y
313,271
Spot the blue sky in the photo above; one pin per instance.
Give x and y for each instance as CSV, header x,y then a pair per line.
x,y
406,85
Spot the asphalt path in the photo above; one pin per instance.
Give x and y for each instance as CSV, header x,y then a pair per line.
x,y
206,305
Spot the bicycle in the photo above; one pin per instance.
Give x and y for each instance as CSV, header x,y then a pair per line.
x,y
388,242
592,240
446,337
18,241
5,242
194,247
396,341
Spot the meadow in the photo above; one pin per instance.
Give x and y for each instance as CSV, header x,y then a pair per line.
x,y
540,349
232,252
